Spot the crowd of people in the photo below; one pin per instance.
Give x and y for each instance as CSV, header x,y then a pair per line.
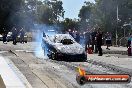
x,y
14,35
93,38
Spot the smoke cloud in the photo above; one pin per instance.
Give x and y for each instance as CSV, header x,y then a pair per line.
x,y
38,35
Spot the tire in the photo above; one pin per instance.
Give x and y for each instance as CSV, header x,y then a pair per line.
x,y
85,59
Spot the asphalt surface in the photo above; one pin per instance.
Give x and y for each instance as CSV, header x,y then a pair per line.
x,y
42,72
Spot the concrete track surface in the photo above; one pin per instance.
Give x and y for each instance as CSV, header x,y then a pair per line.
x,y
45,73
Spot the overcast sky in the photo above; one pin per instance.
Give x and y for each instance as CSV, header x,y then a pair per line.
x,y
72,7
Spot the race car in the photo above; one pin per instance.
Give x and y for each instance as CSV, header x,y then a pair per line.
x,y
63,47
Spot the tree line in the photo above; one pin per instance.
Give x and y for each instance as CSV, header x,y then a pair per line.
x,y
109,15
25,13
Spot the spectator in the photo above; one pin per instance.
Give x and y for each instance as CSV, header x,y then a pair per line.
x,y
22,33
4,37
14,35
77,37
74,34
71,33
87,39
99,42
93,35
129,40
82,39
108,40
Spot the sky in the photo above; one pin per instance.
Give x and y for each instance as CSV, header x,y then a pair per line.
x,y
72,7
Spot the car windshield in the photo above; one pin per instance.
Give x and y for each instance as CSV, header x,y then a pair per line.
x,y
67,41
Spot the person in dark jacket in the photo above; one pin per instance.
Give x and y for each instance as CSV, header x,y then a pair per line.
x,y
71,33
99,42
77,37
22,33
4,37
129,40
14,35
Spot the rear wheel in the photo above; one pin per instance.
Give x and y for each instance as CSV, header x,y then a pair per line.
x,y
25,41
85,59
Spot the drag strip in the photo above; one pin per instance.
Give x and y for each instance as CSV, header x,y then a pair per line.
x,y
60,74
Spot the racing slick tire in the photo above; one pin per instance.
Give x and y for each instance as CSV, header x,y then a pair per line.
x,y
25,41
85,59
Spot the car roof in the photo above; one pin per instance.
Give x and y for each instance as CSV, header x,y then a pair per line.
x,y
62,36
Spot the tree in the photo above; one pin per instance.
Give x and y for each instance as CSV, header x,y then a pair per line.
x,y
50,12
104,14
85,15
69,24
25,13
7,9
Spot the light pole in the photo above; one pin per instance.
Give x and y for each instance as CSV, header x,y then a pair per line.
x,y
117,25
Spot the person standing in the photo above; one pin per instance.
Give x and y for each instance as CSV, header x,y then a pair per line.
x,y
77,37
129,40
108,38
71,33
87,39
99,42
4,37
94,42
22,33
14,35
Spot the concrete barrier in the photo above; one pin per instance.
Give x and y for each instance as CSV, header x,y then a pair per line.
x,y
9,77
2,84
